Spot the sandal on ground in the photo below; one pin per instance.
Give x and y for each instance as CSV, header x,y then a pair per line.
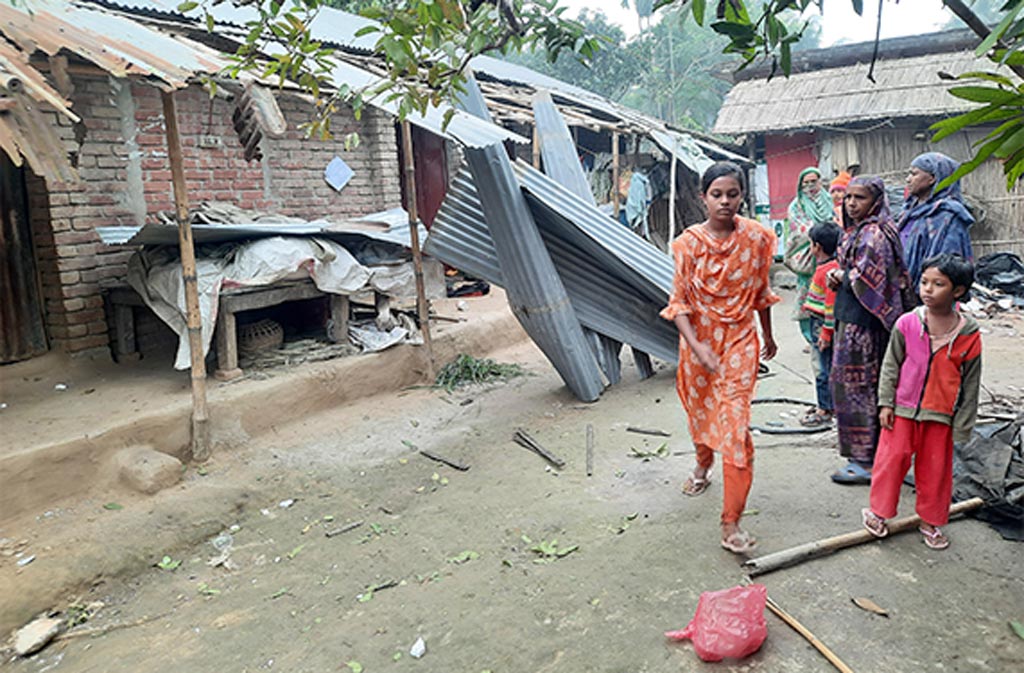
x,y
815,419
694,485
873,523
935,539
740,542
852,473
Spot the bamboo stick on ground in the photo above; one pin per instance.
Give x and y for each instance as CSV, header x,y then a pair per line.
x,y
810,637
805,552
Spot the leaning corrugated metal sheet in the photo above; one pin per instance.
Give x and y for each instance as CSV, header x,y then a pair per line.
x,y
535,291
604,302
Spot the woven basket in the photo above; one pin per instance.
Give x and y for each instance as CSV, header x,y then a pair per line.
x,y
257,337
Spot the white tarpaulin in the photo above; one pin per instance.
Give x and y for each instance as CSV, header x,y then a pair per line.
x,y
156,275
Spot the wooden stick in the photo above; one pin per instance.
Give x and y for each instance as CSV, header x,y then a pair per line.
x,y
344,529
805,552
103,630
446,461
590,450
671,200
648,431
522,438
615,175
810,637
200,416
414,238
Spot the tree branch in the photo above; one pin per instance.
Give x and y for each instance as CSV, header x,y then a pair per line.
x,y
965,14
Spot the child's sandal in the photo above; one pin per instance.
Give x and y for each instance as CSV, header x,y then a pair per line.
x,y
935,539
874,523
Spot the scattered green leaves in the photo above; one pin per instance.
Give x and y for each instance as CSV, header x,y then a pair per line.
x,y
1018,628
113,506
550,551
207,590
464,557
277,594
167,563
466,369
295,552
354,666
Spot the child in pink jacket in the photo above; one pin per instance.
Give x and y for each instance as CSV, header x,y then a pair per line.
x,y
927,398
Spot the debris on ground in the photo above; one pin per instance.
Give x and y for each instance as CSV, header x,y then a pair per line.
x,y
870,606
418,649
648,431
35,635
466,369
524,439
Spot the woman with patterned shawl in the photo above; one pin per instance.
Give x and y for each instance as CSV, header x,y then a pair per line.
x,y
933,222
871,283
811,206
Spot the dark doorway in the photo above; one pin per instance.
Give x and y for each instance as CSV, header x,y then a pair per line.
x,y
22,333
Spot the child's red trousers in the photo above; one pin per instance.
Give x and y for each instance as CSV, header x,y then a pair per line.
x,y
930,444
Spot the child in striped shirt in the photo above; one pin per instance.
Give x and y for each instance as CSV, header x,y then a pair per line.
x,y
819,305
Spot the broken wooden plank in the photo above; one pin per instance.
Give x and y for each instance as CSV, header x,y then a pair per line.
x,y
811,550
648,431
446,461
524,439
590,450
344,529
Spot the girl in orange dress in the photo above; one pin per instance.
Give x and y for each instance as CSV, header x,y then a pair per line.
x,y
721,280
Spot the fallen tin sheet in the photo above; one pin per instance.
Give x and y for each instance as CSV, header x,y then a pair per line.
x,y
535,291
603,301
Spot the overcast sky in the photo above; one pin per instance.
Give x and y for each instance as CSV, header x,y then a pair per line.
x,y
840,22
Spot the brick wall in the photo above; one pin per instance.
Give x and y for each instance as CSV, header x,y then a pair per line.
x,y
121,154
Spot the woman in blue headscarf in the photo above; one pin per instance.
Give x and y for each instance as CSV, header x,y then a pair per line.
x,y
933,222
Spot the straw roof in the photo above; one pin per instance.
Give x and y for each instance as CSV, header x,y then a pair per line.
x,y
832,96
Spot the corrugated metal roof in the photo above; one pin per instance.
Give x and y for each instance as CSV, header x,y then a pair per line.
x,y
391,226
337,28
603,301
905,87
115,43
561,161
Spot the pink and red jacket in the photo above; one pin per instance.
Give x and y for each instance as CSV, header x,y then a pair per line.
x,y
926,385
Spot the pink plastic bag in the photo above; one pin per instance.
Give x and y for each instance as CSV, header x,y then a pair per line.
x,y
729,624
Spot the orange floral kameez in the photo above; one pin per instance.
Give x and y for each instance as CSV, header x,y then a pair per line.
x,y
720,284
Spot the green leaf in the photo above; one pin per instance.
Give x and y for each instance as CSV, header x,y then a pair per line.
x,y
187,6
999,30
355,666
113,506
983,94
167,563
989,77
1018,628
698,7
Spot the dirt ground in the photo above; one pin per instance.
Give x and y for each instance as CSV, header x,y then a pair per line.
x,y
448,553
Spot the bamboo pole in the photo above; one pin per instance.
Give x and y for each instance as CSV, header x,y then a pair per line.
x,y
805,552
422,308
200,417
810,637
615,174
671,201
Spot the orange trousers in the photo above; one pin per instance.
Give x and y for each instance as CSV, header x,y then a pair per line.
x,y
736,480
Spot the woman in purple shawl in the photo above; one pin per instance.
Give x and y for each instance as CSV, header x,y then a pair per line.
x,y
870,285
933,222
